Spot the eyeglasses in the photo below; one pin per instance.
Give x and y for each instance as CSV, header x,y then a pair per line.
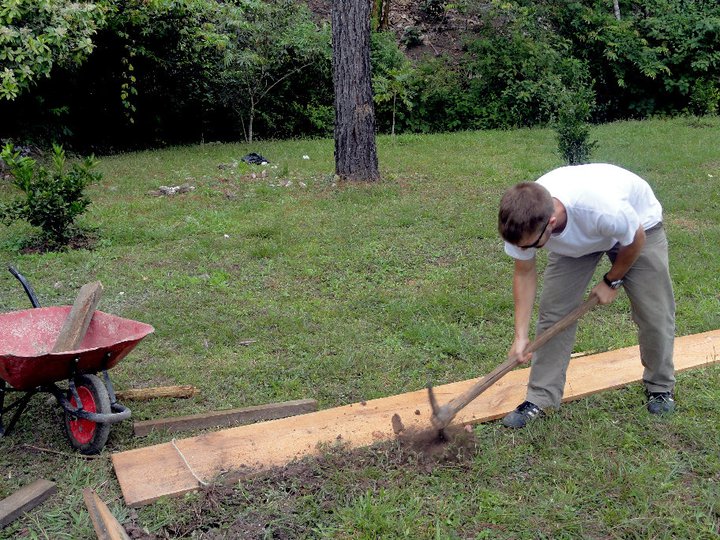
x,y
536,243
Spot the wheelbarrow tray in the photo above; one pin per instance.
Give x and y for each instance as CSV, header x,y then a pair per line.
x,y
28,336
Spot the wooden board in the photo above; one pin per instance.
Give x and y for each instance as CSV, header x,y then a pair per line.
x,y
77,322
106,526
230,417
24,500
145,474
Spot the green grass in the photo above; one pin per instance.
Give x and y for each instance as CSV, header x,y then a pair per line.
x,y
354,292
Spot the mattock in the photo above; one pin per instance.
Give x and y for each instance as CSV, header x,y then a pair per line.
x,y
443,415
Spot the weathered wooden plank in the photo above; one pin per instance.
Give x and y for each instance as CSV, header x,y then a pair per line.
x,y
104,522
226,418
24,500
145,474
77,322
144,394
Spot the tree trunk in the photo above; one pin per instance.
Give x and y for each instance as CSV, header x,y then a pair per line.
x,y
251,119
385,15
616,9
355,149
393,115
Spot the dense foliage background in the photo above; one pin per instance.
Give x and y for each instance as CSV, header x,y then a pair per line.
x,y
113,74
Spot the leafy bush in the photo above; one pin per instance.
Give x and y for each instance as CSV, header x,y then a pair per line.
x,y
572,130
517,68
648,62
176,71
38,35
705,97
441,101
138,73
411,37
53,198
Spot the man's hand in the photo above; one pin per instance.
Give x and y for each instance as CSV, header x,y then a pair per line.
x,y
626,257
605,294
518,348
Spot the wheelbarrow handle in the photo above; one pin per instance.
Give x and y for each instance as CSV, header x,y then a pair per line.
x,y
26,285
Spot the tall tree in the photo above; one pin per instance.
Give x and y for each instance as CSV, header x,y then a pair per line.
x,y
270,41
355,149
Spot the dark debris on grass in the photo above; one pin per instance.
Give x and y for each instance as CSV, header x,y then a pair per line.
x,y
312,487
80,239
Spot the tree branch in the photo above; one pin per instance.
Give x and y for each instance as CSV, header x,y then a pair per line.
x,y
273,85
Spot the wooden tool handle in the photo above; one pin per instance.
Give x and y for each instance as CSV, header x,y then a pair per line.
x,y
562,324
461,401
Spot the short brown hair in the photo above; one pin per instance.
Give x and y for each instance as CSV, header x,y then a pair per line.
x,y
524,208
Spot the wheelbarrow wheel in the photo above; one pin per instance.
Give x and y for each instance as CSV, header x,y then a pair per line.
x,y
86,436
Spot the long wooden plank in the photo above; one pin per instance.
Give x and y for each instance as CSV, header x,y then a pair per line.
x,y
77,322
106,526
24,500
229,417
145,474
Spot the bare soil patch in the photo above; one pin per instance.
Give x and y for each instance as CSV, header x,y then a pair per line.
x,y
228,509
80,240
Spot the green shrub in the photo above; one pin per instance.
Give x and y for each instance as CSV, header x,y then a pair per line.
x,y
705,97
53,198
517,68
116,74
441,101
411,37
571,127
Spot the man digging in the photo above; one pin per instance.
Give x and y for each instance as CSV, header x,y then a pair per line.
x,y
578,213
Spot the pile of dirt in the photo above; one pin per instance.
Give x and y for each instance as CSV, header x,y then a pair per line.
x,y
232,509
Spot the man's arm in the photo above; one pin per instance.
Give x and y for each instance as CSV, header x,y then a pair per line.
x,y
626,257
524,289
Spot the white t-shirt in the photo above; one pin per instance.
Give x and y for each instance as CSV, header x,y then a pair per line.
x,y
605,205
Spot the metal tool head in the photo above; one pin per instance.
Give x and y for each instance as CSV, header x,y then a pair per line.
x,y
441,416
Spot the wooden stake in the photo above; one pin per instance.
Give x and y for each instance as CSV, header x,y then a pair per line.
x,y
230,417
144,394
105,524
77,322
24,500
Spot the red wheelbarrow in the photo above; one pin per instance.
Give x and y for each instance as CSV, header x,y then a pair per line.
x,y
27,366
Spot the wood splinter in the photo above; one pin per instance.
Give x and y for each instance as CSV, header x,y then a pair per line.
x,y
106,526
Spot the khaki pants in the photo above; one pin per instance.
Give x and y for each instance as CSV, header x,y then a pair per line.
x,y
649,289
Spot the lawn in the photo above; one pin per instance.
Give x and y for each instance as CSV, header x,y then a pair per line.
x,y
353,292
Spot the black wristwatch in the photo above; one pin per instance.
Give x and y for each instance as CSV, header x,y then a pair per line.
x,y
614,284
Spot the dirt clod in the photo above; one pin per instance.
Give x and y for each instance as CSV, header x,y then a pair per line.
x,y
397,424
433,445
